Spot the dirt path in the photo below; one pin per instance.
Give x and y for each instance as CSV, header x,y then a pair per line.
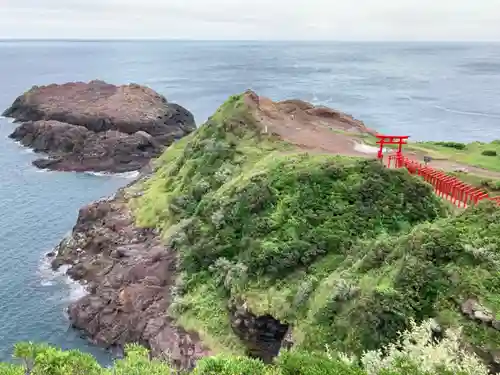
x,y
315,129
452,166
306,126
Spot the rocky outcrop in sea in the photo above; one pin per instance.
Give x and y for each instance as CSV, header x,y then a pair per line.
x,y
97,126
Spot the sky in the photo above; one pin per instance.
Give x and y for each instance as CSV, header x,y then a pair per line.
x,y
441,20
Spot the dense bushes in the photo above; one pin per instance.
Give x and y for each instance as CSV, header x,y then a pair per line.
x,y
493,185
455,145
415,354
489,153
426,273
286,212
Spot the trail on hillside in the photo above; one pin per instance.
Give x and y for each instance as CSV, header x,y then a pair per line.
x,y
308,127
316,129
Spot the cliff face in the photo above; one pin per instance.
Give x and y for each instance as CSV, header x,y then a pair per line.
x,y
129,275
97,126
249,243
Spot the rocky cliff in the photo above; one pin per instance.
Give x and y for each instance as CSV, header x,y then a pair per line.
x,y
97,126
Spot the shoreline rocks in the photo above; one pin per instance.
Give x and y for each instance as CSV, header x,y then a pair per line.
x,y
97,126
129,275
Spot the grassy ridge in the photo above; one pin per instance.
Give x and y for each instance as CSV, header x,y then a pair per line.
x,y
252,218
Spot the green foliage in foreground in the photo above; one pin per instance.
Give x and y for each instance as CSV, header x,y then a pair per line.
x,y
415,354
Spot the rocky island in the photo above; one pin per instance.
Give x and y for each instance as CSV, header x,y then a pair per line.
x,y
97,126
265,230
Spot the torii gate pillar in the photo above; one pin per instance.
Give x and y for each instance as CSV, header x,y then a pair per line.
x,y
399,140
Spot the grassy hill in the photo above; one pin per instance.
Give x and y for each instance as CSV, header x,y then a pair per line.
x,y
255,219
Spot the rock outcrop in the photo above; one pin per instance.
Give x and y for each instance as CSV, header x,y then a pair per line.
x,y
97,126
263,336
129,276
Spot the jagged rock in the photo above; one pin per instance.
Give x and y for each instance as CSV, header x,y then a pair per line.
x,y
496,324
474,310
97,126
483,317
129,278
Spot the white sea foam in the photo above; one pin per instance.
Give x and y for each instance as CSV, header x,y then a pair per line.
x,y
10,120
127,175
48,277
38,170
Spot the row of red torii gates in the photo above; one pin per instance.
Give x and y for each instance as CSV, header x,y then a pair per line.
x,y
445,186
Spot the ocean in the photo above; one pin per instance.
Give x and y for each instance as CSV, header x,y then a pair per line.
x,y
430,91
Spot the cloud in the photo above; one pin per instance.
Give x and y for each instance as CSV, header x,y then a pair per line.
x,y
256,19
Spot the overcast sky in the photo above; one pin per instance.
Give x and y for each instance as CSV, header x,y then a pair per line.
x,y
252,19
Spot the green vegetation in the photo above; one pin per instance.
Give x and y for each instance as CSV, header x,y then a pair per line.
x,y
416,354
489,153
472,154
253,219
455,145
330,245
357,258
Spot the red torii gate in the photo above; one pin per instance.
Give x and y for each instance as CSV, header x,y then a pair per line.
x,y
399,140
448,187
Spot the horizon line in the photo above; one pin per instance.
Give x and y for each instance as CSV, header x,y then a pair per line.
x,y
15,39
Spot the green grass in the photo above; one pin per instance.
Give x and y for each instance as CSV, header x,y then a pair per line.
x,y
471,153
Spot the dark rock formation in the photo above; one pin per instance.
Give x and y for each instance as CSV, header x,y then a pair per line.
x,y
129,275
97,126
263,336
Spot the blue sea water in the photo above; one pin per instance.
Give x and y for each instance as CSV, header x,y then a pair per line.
x,y
429,91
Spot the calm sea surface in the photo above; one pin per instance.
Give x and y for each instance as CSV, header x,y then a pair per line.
x,y
429,91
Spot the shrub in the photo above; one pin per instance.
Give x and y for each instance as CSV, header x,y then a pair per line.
x,y
489,153
290,211
455,145
416,349
415,354
230,366
304,363
493,185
